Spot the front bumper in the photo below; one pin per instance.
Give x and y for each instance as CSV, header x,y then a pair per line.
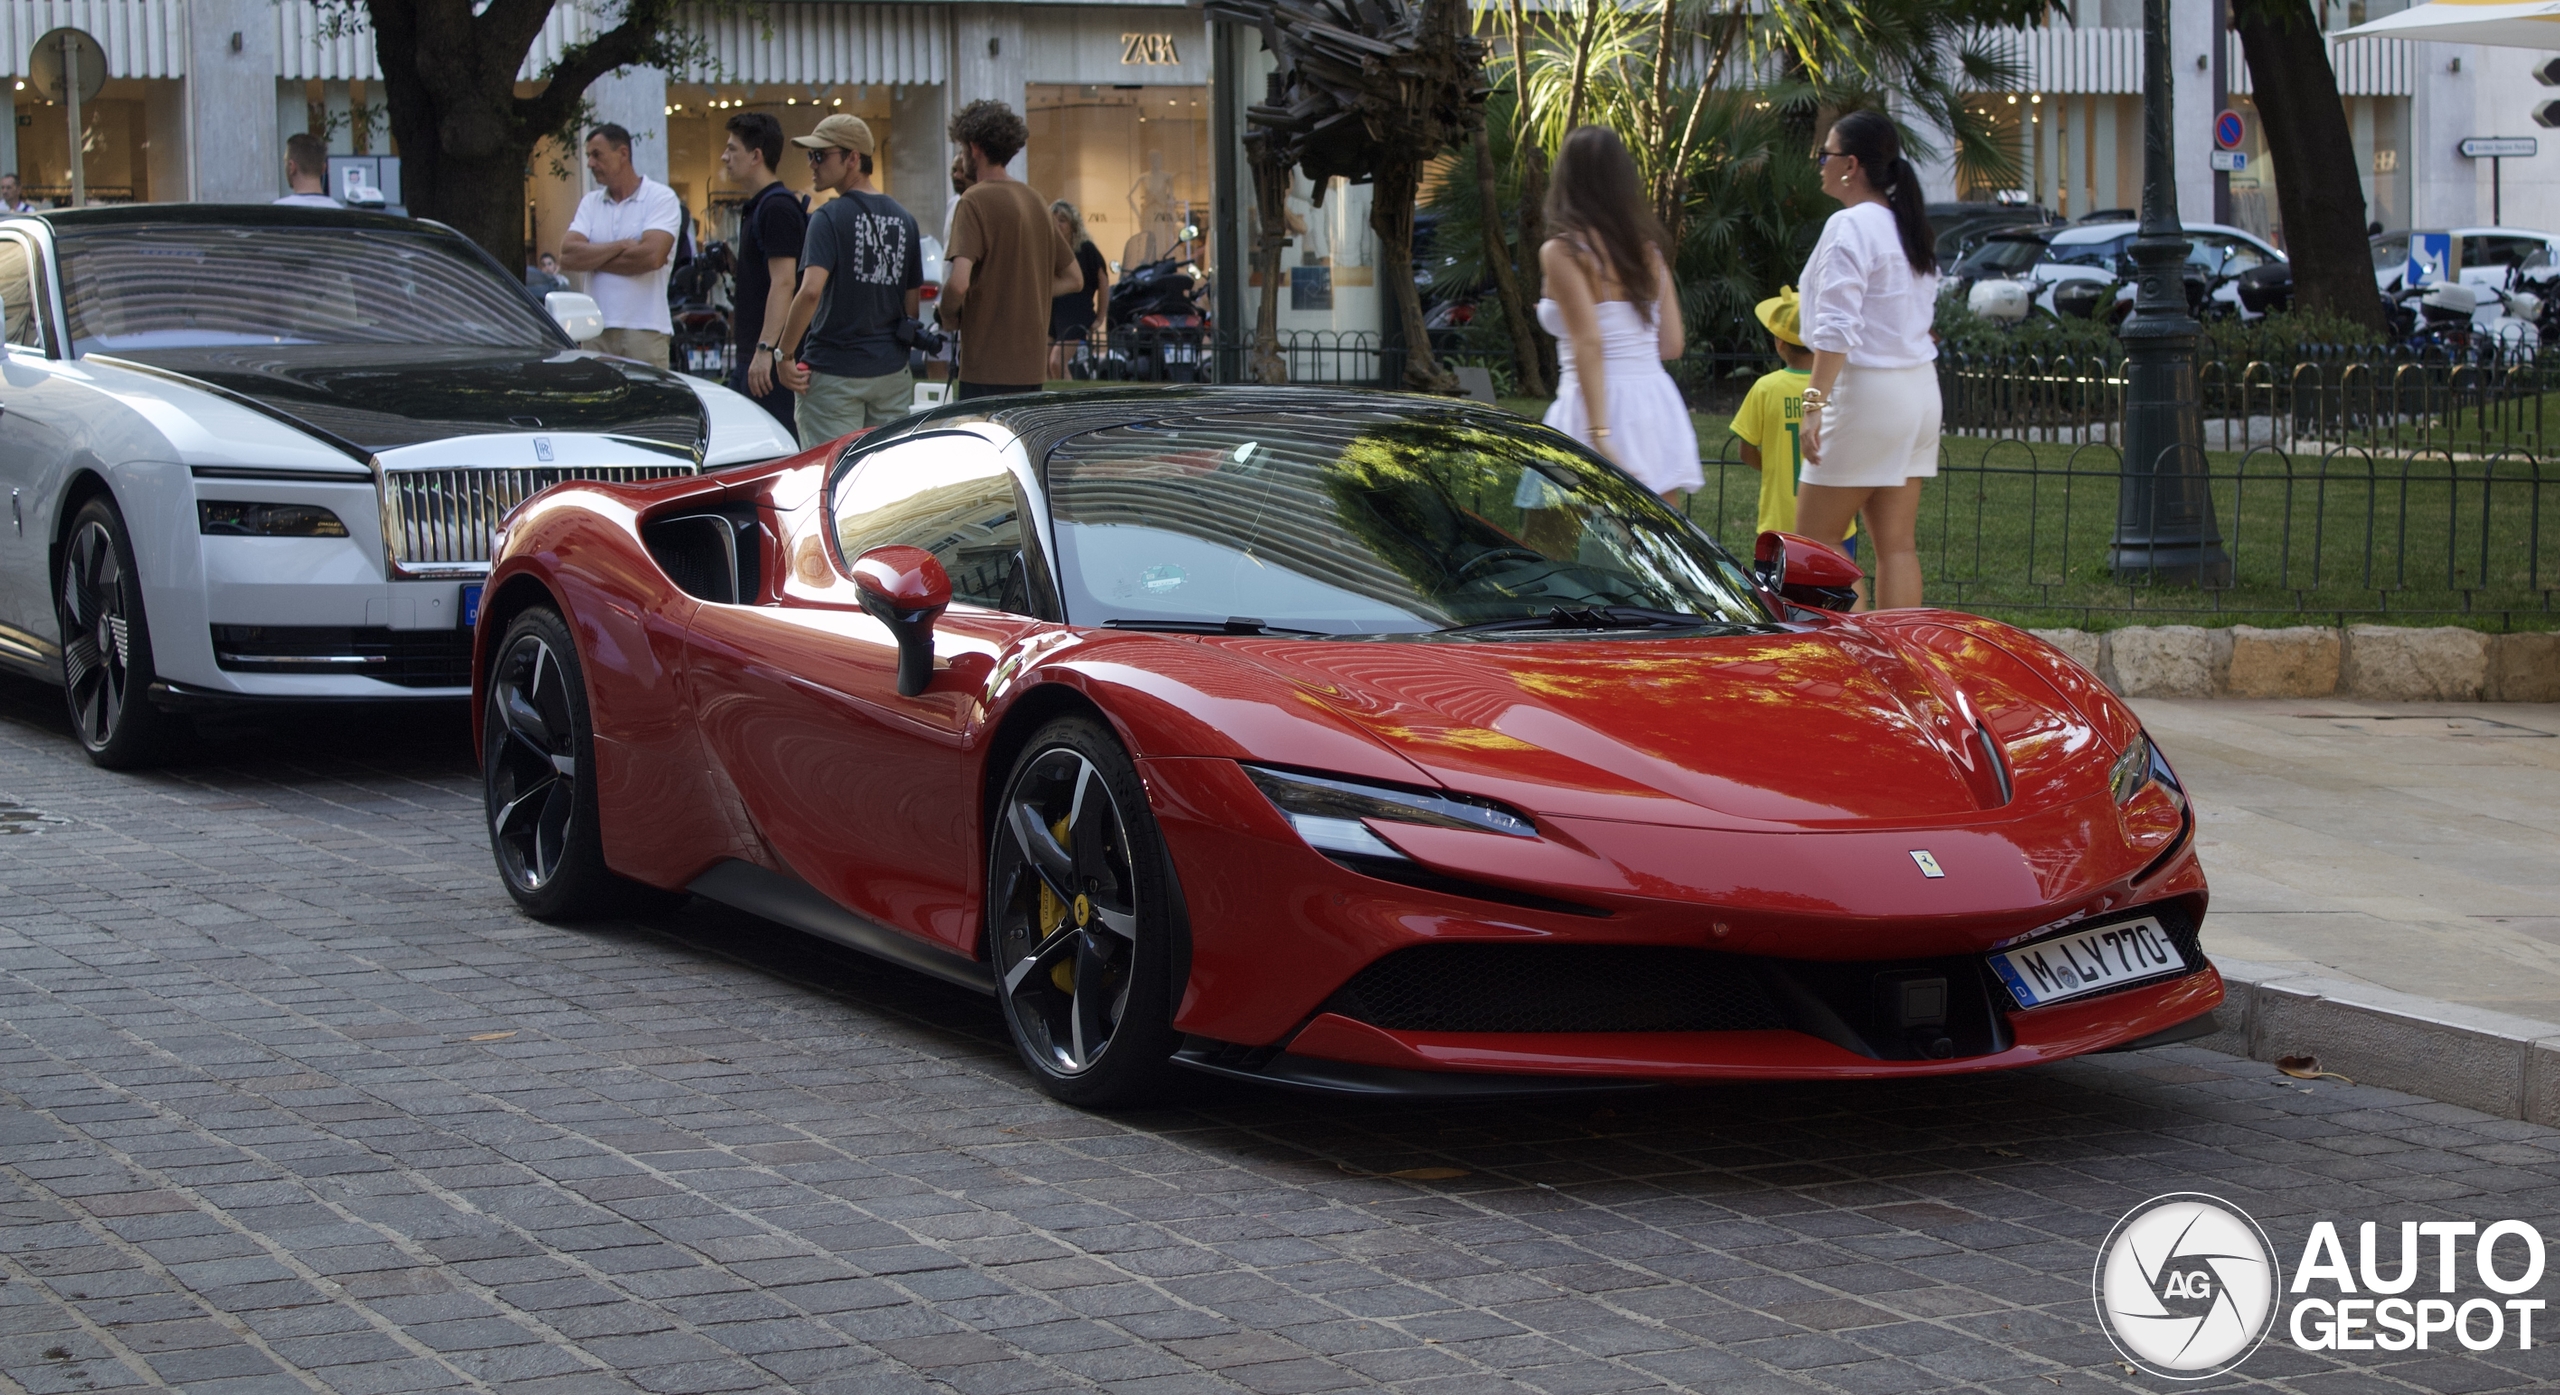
x,y
1604,977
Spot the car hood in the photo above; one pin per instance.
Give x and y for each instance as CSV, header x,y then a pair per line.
x,y
1826,728
377,397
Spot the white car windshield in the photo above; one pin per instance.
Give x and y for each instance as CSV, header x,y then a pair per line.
x,y
191,287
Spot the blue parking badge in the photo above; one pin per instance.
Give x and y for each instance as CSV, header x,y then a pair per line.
x,y
470,606
2430,259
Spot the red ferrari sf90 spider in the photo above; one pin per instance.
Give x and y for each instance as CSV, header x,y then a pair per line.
x,y
1343,740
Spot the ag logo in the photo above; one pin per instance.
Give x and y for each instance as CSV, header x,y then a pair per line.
x,y
2186,1286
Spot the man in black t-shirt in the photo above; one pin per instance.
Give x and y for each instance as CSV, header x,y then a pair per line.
x,y
771,230
863,273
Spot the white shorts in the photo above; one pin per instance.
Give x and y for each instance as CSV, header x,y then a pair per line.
x,y
1881,429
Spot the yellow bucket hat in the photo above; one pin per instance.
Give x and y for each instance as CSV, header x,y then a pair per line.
x,y
1778,316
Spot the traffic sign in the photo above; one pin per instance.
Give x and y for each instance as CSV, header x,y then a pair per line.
x,y
2500,147
2229,130
2228,161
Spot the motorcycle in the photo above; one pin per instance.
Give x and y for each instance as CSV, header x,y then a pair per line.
x,y
1159,325
698,303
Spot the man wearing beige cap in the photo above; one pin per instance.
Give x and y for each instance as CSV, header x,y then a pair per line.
x,y
861,275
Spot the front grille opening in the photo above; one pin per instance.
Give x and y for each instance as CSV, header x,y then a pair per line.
x,y
408,658
1559,988
447,517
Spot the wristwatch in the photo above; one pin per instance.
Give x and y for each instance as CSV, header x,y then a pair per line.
x,y
763,348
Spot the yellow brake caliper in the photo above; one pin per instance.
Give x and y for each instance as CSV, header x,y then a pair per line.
x,y
1053,915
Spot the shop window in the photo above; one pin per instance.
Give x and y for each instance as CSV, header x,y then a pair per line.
x,y
1133,160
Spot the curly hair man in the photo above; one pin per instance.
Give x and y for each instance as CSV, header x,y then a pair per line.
x,y
1007,259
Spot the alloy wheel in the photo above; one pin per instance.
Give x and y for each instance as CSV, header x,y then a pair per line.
x,y
97,638
1066,938
533,768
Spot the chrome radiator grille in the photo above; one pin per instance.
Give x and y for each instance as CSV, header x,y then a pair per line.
x,y
445,518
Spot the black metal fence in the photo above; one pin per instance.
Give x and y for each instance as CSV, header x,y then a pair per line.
x,y
2343,487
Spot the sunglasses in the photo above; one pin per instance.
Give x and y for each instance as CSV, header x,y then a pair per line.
x,y
1824,157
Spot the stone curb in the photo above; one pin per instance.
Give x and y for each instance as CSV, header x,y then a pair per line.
x,y
2494,1062
2379,663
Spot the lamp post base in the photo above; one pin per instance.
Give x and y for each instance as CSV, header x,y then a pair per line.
x,y
2201,563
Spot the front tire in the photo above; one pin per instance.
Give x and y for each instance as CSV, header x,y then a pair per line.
x,y
537,773
107,671
1080,918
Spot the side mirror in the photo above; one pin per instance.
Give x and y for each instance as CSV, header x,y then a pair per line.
x,y
1806,572
905,589
577,313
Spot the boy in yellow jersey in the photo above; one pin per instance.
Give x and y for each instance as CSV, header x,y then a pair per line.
x,y
1769,419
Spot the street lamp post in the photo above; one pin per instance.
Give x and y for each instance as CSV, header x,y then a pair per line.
x,y
2164,507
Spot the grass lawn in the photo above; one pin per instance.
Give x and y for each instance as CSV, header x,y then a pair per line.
x,y
2426,533
2021,530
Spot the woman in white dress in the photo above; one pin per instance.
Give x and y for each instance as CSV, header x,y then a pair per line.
x,y
1871,416
1616,316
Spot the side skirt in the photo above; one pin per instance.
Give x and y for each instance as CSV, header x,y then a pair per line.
x,y
787,900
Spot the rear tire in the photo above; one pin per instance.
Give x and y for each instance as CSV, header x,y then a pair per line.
x,y
1080,918
537,767
107,671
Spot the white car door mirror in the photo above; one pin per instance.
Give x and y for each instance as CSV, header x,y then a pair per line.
x,y
577,313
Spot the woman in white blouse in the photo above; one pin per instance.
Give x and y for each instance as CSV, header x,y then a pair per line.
x,y
1871,415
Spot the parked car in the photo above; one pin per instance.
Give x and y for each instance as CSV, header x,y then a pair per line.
x,y
1350,741
1960,227
256,453
2102,252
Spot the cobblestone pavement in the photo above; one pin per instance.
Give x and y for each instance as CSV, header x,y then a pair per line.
x,y
291,1099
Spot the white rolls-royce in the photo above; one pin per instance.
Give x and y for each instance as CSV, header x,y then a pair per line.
x,y
256,453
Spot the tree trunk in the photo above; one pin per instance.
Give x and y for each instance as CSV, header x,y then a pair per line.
x,y
1271,205
2318,190
1497,254
1533,192
1391,196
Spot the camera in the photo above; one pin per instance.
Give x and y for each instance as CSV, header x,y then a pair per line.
x,y
914,334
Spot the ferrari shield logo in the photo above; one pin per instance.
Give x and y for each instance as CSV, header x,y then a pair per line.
x,y
1928,863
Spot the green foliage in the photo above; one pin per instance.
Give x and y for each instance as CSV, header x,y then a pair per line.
x,y
1960,331
2286,338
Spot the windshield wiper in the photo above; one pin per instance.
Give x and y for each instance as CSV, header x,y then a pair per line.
x,y
1232,625
1597,617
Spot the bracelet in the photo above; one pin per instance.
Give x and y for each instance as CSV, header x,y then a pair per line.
x,y
1599,433
1814,397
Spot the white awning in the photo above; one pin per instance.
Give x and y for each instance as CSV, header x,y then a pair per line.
x,y
2496,23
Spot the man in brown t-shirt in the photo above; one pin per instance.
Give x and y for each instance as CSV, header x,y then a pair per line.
x,y
1006,257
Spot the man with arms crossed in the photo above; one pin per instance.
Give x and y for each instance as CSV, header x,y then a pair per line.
x,y
862,271
623,234
770,229
1008,261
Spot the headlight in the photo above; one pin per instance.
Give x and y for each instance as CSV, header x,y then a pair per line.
x,y
224,518
2140,765
1328,811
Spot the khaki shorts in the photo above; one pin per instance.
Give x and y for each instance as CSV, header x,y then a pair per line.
x,y
647,345
834,406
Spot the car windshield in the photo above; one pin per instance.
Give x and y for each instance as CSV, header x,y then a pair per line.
x,y
2002,256
191,287
2100,252
1370,522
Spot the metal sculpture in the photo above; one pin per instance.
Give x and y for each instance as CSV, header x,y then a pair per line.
x,y
1372,91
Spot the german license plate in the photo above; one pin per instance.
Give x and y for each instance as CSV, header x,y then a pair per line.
x,y
2087,961
470,606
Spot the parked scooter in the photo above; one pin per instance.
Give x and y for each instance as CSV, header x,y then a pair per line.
x,y
1159,325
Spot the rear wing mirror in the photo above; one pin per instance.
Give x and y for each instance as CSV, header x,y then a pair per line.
x,y
1806,572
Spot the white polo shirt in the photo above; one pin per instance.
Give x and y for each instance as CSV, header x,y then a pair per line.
x,y
631,302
